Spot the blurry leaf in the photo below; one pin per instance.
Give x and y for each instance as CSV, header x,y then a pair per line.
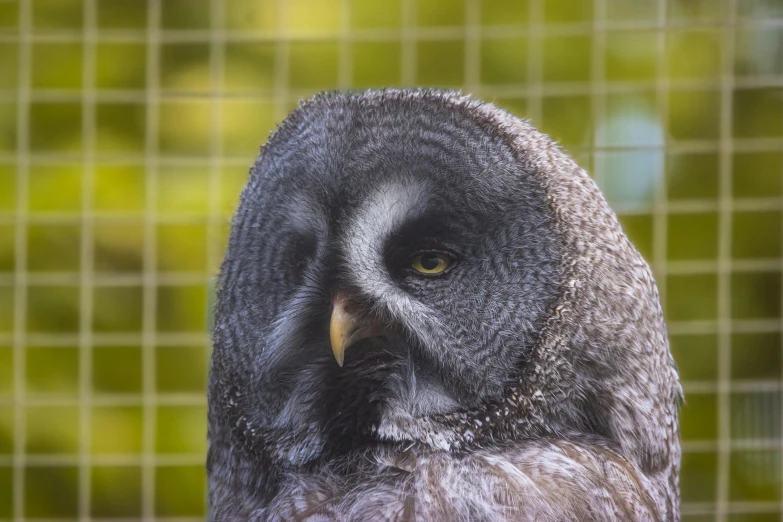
x,y
313,15
180,369
52,309
52,370
698,477
694,115
119,188
504,60
246,125
6,489
516,106
631,56
183,189
568,119
252,14
6,308
9,58
757,174
120,65
57,65
755,295
756,234
122,14
185,14
440,63
637,10
368,15
58,485
692,236
9,16
54,247
755,476
116,369
691,297
57,14
117,308
6,373
182,308
567,58
55,127
249,67
180,491
692,176
694,54
7,248
699,417
52,429
757,113
756,356
639,228
181,429
182,247
694,10
313,65
55,188
116,491
503,12
185,127
440,13
772,516
116,430
185,67
232,181
6,431
8,117
562,11
222,234
696,356
8,199
756,415
118,247
376,64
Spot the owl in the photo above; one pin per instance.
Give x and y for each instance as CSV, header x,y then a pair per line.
x,y
427,311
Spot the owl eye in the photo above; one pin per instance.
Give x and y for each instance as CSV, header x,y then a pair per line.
x,y
431,263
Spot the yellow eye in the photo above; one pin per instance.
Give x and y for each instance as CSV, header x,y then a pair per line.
x,y
431,263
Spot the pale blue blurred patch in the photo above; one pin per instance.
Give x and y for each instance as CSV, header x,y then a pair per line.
x,y
629,178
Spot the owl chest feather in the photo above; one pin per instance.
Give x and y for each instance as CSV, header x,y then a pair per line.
x,y
539,480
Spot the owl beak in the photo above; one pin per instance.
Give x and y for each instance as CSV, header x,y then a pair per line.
x,y
345,329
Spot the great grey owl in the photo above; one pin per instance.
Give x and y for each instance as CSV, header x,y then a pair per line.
x,y
427,311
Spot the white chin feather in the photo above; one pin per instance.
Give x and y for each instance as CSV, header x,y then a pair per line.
x,y
398,425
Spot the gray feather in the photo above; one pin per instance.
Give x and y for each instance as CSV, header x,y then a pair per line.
x,y
533,381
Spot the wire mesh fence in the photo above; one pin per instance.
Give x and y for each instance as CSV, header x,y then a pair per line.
x,y
126,131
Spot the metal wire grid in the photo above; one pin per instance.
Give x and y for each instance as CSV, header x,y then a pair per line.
x,y
282,96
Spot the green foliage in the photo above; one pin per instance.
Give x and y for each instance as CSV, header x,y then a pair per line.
x,y
121,162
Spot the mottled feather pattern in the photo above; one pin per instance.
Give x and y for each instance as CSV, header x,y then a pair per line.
x,y
540,480
534,382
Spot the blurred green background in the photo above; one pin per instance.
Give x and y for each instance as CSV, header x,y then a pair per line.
x,y
126,131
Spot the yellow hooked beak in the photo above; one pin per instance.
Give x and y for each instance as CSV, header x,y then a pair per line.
x,y
345,329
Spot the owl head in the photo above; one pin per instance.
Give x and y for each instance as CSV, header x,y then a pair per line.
x,y
413,266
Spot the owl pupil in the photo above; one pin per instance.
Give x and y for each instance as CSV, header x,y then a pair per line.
x,y
430,261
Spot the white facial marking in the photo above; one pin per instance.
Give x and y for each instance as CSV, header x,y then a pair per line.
x,y
382,214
